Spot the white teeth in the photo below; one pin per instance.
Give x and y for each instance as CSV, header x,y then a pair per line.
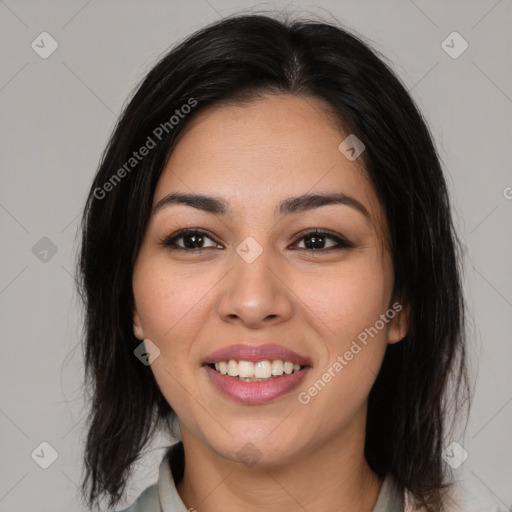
x,y
245,369
277,367
232,368
261,370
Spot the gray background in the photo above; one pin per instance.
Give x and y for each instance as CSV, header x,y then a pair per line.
x,y
57,114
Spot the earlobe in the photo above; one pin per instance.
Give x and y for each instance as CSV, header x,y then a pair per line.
x,y
137,326
399,322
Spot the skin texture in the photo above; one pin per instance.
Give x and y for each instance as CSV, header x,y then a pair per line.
x,y
192,303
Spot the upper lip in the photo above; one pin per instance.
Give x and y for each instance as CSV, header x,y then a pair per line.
x,y
257,352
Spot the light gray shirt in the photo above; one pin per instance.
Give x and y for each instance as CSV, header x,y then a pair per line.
x,y
163,496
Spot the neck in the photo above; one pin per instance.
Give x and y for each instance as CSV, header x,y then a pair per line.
x,y
332,476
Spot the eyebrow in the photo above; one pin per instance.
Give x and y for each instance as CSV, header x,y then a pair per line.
x,y
293,205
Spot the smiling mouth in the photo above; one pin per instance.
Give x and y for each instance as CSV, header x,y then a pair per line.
x,y
260,371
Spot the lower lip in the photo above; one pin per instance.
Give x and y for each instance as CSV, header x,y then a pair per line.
x,y
255,392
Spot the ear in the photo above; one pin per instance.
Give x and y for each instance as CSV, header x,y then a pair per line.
x,y
137,325
399,315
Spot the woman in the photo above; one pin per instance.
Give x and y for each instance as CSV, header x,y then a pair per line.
x,y
268,257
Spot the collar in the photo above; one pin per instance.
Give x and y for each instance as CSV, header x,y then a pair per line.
x,y
171,470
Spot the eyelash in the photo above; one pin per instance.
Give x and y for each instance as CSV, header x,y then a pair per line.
x,y
169,241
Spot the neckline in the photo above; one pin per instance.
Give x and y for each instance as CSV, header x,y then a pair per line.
x,y
390,499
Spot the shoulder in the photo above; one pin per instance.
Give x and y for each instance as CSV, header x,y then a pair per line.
x,y
471,495
148,501
467,495
163,495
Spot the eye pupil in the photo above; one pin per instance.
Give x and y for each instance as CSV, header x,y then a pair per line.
x,y
191,241
316,239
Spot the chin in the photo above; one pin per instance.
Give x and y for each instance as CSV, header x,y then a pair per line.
x,y
256,449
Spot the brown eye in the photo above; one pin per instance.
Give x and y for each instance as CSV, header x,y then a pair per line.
x,y
320,241
189,239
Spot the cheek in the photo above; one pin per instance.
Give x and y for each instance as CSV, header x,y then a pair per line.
x,y
348,300
170,302
348,305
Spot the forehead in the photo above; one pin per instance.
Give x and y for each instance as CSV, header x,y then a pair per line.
x,y
260,152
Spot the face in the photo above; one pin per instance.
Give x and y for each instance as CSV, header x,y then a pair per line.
x,y
262,278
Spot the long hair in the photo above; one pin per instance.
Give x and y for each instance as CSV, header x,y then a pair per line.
x,y
237,59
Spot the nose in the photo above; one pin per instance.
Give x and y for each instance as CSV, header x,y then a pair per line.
x,y
255,294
